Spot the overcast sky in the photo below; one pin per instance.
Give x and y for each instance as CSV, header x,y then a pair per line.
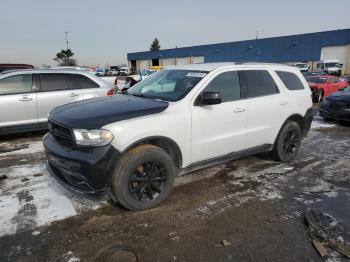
x,y
101,32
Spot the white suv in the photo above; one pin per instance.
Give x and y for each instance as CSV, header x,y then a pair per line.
x,y
27,96
177,120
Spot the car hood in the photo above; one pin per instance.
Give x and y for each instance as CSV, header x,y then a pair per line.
x,y
98,112
340,96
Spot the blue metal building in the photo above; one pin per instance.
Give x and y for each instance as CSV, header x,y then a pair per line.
x,y
293,48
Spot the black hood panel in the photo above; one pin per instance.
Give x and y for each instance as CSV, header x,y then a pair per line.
x,y
340,96
98,112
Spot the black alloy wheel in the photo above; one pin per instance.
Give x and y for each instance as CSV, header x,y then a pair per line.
x,y
291,141
147,181
143,178
288,142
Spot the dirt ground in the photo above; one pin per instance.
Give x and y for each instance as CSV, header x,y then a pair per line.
x,y
246,210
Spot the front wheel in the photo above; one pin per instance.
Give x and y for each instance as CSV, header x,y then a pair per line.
x,y
143,178
288,142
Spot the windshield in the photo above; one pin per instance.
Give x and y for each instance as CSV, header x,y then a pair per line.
x,y
301,65
318,80
332,65
168,85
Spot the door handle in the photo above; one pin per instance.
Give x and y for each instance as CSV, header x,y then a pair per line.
x,y
284,102
239,110
73,94
25,99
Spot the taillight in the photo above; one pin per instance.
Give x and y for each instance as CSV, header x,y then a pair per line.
x,y
116,82
110,92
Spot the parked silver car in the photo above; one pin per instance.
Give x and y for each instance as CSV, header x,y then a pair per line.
x,y
27,96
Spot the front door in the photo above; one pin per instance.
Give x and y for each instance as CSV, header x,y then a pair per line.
x,y
218,130
17,102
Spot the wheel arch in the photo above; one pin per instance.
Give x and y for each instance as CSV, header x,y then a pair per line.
x,y
166,143
299,119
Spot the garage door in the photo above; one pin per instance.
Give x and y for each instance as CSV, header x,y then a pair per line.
x,y
143,64
183,61
334,52
168,62
198,60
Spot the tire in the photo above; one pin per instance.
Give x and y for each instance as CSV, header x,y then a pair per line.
x,y
318,96
288,142
143,178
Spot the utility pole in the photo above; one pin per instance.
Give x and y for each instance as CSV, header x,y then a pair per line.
x,y
67,46
66,38
256,44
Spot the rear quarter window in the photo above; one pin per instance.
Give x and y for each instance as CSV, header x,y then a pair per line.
x,y
77,81
290,80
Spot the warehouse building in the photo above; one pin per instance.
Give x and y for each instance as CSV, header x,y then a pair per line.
x,y
291,49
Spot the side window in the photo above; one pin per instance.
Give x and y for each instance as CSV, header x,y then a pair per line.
x,y
290,80
258,83
227,84
80,82
17,84
53,82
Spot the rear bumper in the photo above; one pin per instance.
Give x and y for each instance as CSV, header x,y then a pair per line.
x,y
328,112
85,169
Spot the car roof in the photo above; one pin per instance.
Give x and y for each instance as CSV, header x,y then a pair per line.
x,y
17,65
214,66
38,71
57,71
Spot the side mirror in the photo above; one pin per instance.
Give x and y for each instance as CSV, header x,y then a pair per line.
x,y
210,98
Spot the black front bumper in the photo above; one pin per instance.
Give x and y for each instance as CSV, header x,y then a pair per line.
x,y
335,111
82,169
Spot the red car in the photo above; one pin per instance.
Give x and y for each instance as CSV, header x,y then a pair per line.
x,y
323,86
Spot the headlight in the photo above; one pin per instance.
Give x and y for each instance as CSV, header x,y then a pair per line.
x,y
85,137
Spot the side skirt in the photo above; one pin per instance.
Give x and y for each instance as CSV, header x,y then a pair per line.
x,y
225,158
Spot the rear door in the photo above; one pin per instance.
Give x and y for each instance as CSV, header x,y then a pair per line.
x,y
267,107
17,102
53,92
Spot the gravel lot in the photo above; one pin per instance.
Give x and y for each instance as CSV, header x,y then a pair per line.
x,y
247,210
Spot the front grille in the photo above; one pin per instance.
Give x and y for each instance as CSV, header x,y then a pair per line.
x,y
62,134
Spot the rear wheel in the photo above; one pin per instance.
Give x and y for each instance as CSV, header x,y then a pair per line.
x,y
318,96
143,178
288,142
